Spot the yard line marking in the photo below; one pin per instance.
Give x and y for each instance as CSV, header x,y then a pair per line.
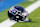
x,y
8,23
33,7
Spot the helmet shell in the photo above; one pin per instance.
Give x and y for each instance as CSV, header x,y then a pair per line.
x,y
19,8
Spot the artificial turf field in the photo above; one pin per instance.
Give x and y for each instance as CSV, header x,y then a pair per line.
x,y
35,15
3,14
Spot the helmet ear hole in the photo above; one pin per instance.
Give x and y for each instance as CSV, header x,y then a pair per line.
x,y
16,11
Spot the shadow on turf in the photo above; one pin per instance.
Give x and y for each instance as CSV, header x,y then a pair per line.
x,y
28,22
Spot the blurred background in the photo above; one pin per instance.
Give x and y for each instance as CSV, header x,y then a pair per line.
x,y
5,4
35,15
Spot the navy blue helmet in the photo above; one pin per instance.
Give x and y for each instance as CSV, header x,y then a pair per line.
x,y
19,8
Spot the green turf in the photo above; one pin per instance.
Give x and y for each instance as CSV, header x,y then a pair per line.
x,y
3,14
35,15
26,3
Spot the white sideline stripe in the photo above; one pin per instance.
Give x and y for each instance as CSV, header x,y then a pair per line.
x,y
8,23
33,7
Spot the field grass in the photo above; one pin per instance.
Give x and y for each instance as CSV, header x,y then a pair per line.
x,y
35,15
3,14
26,3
